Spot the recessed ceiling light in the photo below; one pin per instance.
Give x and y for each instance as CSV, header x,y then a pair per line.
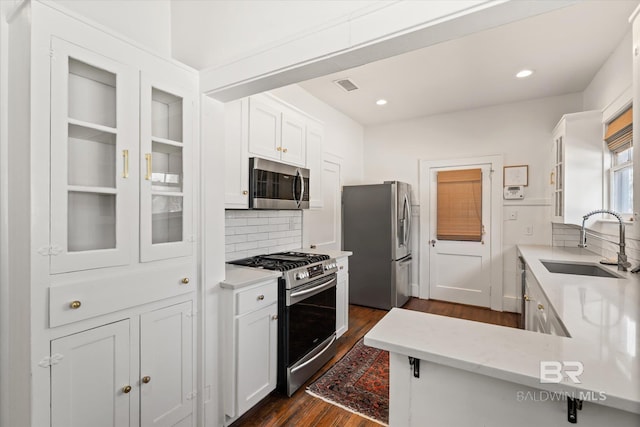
x,y
524,73
381,101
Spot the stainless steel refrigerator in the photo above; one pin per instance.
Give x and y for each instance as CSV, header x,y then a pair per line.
x,y
376,227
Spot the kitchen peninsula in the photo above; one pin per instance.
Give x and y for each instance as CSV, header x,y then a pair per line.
x,y
456,372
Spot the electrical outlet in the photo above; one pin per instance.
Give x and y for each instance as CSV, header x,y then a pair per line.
x,y
528,230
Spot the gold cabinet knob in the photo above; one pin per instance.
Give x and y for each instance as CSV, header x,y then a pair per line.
x,y
527,298
274,317
279,149
146,379
185,280
342,267
260,297
540,307
126,389
245,192
284,150
75,305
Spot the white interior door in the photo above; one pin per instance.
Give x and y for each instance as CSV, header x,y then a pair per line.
x,y
324,224
460,271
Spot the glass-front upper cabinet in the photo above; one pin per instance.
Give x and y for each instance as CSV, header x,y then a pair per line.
x,y
94,133
166,176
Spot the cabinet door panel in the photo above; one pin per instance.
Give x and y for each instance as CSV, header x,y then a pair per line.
x,y
294,139
166,178
264,129
166,357
256,356
94,130
315,164
86,385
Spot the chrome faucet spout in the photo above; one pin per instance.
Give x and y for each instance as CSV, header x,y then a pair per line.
x,y
623,263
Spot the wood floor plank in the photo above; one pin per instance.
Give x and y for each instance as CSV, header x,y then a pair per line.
x,y
302,409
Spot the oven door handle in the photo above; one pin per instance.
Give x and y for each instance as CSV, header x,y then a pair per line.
x,y
316,289
297,368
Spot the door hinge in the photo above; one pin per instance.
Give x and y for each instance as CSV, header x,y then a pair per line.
x,y
52,53
192,395
50,250
47,361
415,362
192,313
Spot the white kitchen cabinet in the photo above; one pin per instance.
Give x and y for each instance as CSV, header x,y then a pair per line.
x,y
166,180
98,380
540,316
87,249
342,296
577,165
91,378
94,129
104,117
315,164
250,316
263,126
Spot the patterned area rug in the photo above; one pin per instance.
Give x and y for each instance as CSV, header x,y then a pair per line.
x,y
359,383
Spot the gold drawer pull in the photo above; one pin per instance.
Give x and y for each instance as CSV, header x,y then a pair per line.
x,y
540,307
245,192
284,150
75,305
146,379
185,280
260,297
126,389
527,298
279,148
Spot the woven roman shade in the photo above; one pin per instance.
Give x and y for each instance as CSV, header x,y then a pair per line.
x,y
619,132
460,205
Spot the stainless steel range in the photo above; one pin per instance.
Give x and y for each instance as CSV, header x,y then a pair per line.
x,y
306,313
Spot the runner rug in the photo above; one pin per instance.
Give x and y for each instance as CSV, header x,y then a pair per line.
x,y
359,382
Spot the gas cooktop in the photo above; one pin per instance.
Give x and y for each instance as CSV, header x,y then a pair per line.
x,y
281,261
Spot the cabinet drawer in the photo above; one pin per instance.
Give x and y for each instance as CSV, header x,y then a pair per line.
x,y
256,297
79,299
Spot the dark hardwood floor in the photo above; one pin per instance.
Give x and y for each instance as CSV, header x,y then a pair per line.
x,y
301,409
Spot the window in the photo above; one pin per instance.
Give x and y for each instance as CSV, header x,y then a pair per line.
x,y
460,205
619,139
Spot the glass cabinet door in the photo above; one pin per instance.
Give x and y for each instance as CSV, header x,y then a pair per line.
x,y
166,170
93,131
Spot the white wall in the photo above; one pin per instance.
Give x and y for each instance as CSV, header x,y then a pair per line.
x,y
521,132
147,22
613,78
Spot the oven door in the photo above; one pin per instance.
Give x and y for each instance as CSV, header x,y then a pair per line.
x,y
310,316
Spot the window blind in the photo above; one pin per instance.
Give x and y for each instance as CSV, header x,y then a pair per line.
x,y
459,206
619,133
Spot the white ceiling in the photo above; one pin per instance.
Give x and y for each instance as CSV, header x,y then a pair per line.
x,y
565,47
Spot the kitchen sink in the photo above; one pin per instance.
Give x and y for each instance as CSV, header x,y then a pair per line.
x,y
579,269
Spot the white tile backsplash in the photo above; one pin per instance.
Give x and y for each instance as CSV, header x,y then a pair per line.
x,y
249,233
568,235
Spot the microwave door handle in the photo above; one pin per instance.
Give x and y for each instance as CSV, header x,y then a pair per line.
x,y
301,187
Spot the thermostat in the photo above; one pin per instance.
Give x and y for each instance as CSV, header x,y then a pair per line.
x,y
514,192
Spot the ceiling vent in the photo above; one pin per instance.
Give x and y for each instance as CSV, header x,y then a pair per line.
x,y
346,84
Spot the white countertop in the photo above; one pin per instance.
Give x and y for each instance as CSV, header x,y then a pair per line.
x,y
237,277
330,252
600,314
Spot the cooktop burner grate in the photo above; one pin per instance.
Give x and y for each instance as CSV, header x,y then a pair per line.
x,y
282,261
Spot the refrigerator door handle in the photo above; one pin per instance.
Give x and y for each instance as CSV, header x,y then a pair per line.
x,y
406,221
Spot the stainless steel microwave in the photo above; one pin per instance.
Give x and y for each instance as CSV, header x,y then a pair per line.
x,y
274,185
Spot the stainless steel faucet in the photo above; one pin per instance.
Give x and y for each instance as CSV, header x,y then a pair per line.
x,y
623,264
